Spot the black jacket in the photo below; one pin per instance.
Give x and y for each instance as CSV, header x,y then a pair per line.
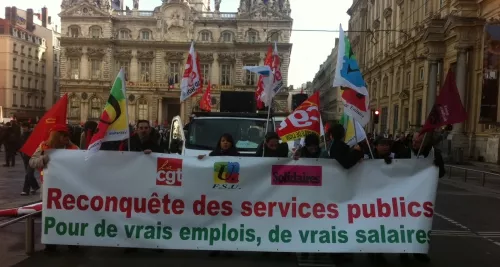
x,y
345,156
138,146
220,152
280,152
304,153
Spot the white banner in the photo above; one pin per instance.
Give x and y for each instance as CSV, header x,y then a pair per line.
x,y
129,199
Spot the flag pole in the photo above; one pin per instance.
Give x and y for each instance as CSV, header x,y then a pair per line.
x,y
323,128
126,107
421,145
267,128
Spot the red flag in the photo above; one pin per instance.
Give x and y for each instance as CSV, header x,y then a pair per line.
x,y
305,119
448,108
206,100
260,85
202,79
56,115
354,98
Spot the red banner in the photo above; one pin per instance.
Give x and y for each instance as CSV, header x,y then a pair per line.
x,y
206,100
305,119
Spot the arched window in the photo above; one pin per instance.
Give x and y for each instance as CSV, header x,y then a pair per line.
x,y
205,36
227,37
95,108
145,35
274,36
253,36
124,34
74,31
74,107
95,31
142,109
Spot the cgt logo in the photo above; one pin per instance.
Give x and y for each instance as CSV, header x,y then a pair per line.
x,y
226,175
297,175
169,172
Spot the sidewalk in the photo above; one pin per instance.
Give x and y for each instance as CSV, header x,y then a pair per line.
x,y
11,185
477,165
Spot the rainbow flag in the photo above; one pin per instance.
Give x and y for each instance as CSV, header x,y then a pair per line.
x,y
113,124
352,135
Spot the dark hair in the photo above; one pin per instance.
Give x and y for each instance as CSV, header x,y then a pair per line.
x,y
90,125
231,151
337,132
142,121
311,139
272,135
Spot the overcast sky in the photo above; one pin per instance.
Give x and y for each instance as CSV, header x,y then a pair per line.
x,y
310,49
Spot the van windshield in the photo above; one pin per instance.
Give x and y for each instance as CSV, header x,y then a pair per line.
x,y
204,133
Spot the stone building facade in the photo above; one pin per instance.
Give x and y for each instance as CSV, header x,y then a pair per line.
x,y
330,97
152,47
29,49
406,47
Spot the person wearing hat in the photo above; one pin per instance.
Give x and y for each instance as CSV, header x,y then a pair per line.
x,y
383,149
58,139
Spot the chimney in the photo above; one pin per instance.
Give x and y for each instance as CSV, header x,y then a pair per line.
x,y
29,19
44,17
13,16
7,13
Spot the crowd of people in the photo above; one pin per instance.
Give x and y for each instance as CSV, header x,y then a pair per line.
x,y
147,139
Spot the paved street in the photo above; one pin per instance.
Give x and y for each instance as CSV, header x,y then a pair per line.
x,y
466,233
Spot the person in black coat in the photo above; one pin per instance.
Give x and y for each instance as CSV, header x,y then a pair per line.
x,y
29,177
340,151
271,147
142,140
310,149
225,147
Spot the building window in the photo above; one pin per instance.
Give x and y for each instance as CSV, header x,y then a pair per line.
x,y
95,68
36,84
42,85
205,36
22,49
29,83
14,63
29,52
74,107
74,68
36,102
383,120
173,72
22,99
29,100
250,77
225,74
145,68
14,99
419,112
227,37
126,67
274,37
43,68
95,32
396,118
22,65
95,108
14,49
42,102
408,78
14,81
22,82
252,37
29,67
124,34
145,35
421,74
205,71
36,68
143,110
74,31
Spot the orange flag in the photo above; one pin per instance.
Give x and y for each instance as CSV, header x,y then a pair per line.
x,y
56,115
206,100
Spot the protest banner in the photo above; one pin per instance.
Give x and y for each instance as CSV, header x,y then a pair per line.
x,y
129,199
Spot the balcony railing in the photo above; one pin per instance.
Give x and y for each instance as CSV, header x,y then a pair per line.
x,y
147,13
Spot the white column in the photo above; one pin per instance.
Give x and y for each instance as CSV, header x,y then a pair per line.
x,y
431,93
461,78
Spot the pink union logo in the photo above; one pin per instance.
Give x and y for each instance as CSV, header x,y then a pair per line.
x,y
296,175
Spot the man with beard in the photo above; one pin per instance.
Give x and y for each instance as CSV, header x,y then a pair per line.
x,y
141,140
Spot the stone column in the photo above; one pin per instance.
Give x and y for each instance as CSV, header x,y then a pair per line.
x,y
134,69
461,79
160,111
432,90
